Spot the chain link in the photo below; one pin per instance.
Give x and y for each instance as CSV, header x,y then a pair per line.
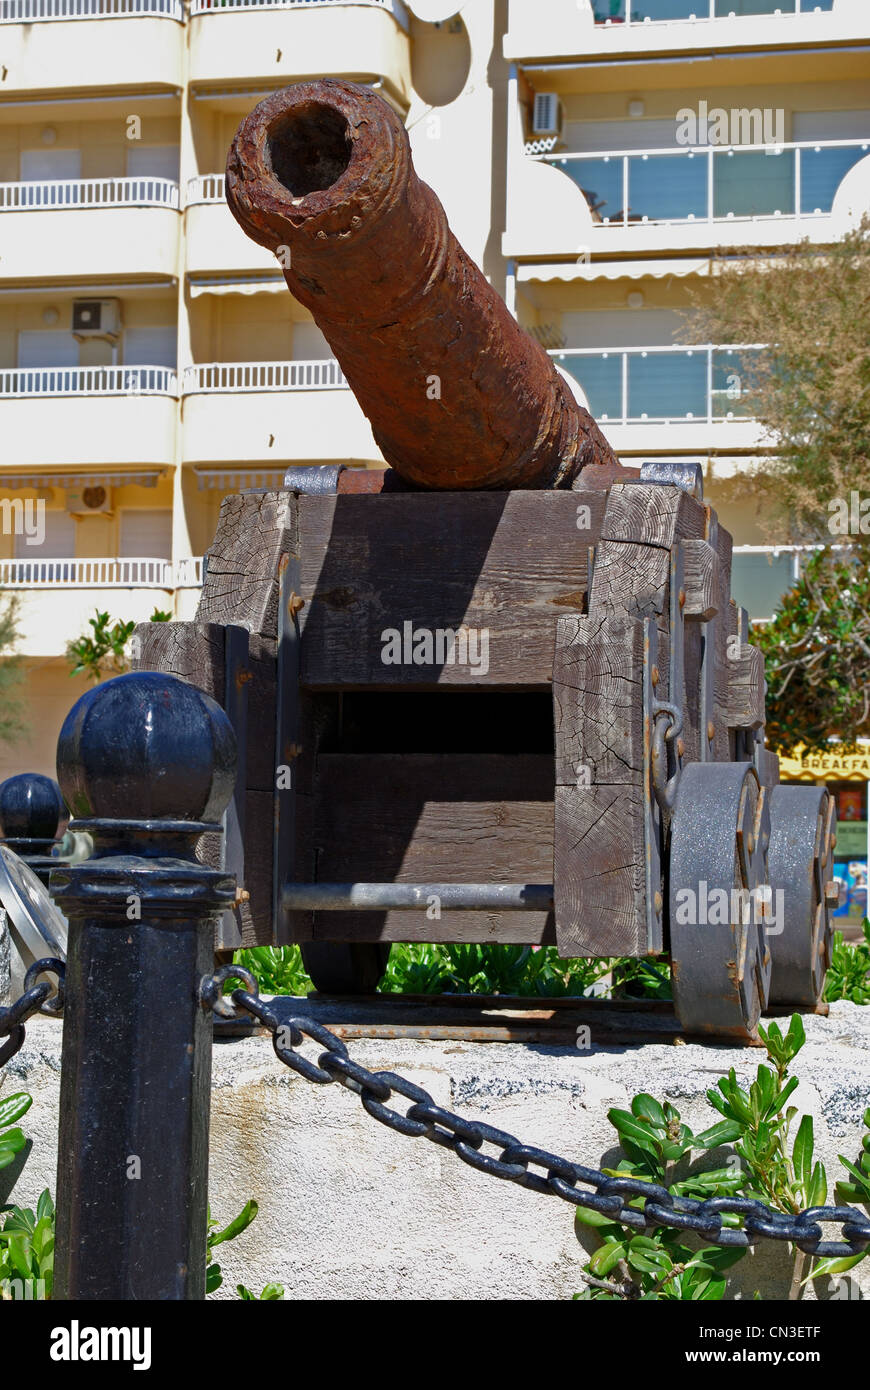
x,y
34,1000
516,1162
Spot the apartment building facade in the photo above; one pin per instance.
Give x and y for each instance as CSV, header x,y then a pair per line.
x,y
152,360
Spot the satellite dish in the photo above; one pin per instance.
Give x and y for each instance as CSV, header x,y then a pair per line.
x,y
434,11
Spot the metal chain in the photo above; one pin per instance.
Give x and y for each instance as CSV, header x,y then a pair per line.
x,y
424,1119
34,1000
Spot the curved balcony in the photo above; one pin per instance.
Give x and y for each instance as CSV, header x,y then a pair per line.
x,y
215,241
661,27
235,42
48,230
643,201
126,415
59,596
63,45
263,412
667,398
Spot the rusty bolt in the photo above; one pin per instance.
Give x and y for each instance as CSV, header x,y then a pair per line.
x,y
711,730
832,891
681,747
657,902
242,896
295,604
682,598
243,677
654,675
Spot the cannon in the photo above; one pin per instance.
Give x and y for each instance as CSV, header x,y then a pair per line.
x,y
499,691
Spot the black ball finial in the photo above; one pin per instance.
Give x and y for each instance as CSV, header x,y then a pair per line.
x,y
30,807
147,746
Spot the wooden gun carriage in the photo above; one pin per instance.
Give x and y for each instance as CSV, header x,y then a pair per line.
x,y
582,767
518,707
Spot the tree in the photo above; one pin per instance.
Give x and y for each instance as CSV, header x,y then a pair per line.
x,y
810,387
817,653
11,670
105,651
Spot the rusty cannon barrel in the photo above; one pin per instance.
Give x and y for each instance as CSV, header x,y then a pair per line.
x,y
458,395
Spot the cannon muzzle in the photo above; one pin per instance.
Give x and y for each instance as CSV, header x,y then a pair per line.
x,y
458,395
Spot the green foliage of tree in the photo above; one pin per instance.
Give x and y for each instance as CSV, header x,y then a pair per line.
x,y
104,652
810,387
11,670
817,653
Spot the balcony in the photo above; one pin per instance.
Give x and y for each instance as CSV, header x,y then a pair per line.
x,y
234,42
215,242
653,28
668,398
126,415
266,411
59,596
762,574
64,45
643,201
45,233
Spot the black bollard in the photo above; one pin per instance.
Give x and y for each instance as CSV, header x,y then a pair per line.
x,y
147,765
31,808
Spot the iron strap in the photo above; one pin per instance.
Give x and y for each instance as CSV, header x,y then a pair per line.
x,y
502,1155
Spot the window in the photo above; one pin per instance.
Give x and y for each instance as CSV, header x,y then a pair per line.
x,y
43,166
47,347
146,534
153,161
150,346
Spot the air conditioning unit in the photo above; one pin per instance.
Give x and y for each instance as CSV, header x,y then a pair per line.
x,y
96,318
547,115
89,501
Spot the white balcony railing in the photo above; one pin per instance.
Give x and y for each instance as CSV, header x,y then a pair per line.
x,y
217,6
34,11
665,384
711,183
628,12
135,573
30,195
88,381
205,188
323,374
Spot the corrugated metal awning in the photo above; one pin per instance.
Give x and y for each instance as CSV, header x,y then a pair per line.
x,y
568,271
234,479
237,284
143,478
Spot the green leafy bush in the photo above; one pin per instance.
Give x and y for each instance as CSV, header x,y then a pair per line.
x,y
849,973
771,1159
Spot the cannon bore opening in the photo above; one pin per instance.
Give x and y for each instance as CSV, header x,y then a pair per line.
x,y
309,148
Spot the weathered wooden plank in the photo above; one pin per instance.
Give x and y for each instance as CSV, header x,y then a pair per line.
x,y
599,880
244,560
378,570
746,688
701,580
494,928
652,514
433,818
598,701
193,651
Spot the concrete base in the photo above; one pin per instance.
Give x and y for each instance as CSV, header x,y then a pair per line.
x,y
349,1209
